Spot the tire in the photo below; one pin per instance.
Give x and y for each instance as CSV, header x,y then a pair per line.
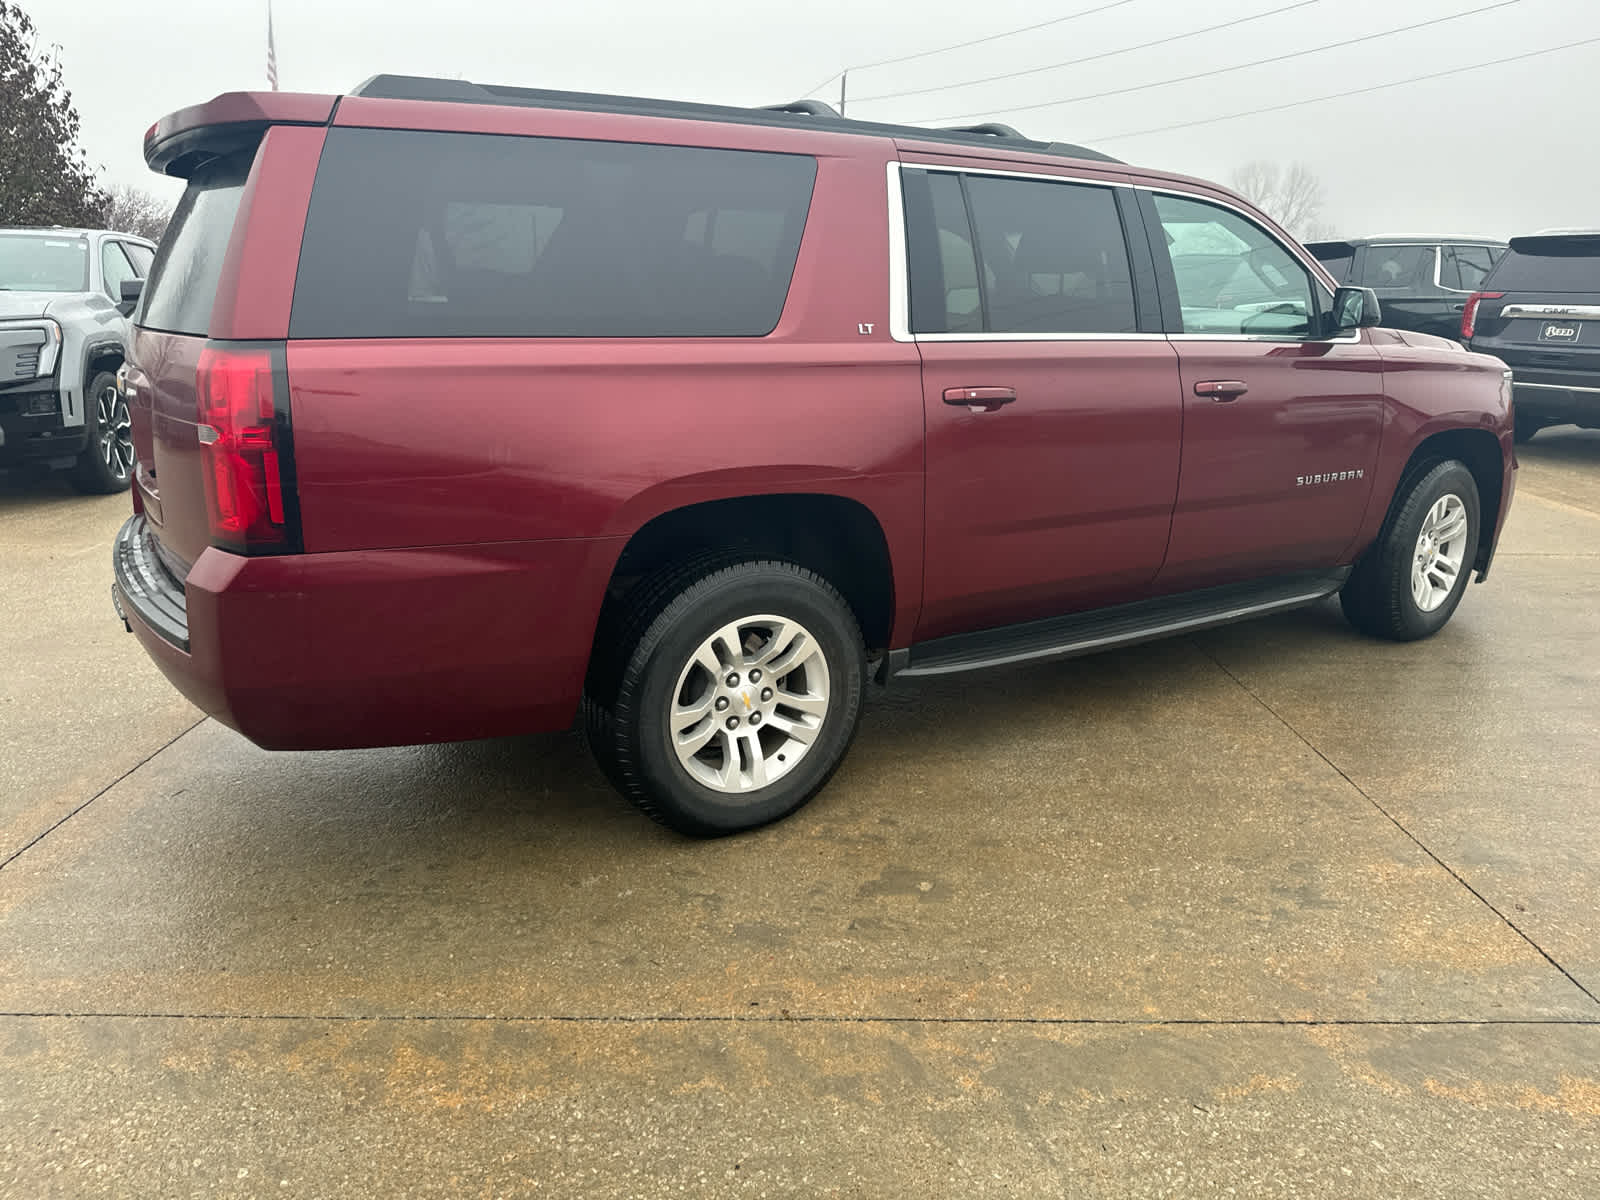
x,y
746,616
1525,427
106,464
1383,597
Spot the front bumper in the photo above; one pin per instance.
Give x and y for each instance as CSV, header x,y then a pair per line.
x,y
31,426
371,648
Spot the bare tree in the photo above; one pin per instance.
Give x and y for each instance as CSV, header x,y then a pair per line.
x,y
1292,197
134,210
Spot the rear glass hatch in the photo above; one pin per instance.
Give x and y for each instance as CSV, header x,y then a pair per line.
x,y
172,323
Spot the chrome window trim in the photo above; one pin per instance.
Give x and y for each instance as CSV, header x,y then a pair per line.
x,y
900,268
1572,312
899,263
1554,387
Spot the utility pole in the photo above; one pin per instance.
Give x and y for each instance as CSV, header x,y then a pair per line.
x,y
843,77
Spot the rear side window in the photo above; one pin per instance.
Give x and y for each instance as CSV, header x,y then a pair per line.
x,y
1569,267
1337,259
1464,268
183,279
1016,256
1407,267
414,234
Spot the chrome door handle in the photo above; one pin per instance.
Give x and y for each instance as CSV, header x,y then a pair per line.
x,y
1222,391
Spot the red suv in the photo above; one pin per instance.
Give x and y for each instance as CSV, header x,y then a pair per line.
x,y
457,407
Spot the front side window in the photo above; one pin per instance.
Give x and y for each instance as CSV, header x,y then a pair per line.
x,y
1232,276
35,263
1398,268
414,234
114,268
140,256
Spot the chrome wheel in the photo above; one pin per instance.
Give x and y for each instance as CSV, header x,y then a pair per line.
x,y
749,704
116,432
1440,551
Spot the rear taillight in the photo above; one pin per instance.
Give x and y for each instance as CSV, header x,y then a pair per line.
x,y
244,443
1469,315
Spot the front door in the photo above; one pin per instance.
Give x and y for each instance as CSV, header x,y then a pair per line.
x,y
1281,425
1052,421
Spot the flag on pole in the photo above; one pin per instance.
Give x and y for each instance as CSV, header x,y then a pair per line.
x,y
272,53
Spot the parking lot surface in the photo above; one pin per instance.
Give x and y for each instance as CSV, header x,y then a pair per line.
x,y
1274,909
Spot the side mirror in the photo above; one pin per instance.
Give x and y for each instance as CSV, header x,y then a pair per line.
x,y
132,289
1354,308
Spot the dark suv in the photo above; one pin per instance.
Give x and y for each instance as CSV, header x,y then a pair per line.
x,y
1540,312
457,406
1423,283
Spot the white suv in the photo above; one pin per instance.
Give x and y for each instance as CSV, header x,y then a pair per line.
x,y
65,296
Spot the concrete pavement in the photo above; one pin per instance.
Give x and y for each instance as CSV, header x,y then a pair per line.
x,y
1275,909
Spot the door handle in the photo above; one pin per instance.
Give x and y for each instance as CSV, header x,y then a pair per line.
x,y
1462,307
980,399
1221,390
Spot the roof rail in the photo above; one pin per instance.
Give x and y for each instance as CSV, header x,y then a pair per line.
x,y
988,128
804,108
408,87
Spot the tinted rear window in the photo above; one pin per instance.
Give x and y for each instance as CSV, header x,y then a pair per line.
x,y
1577,270
183,279
1407,267
414,234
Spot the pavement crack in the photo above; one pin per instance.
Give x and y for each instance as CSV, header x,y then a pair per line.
x,y
47,831
1390,817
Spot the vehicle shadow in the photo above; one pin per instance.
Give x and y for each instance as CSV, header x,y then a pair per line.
x,y
1563,444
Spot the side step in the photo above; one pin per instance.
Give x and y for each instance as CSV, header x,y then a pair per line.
x,y
1105,628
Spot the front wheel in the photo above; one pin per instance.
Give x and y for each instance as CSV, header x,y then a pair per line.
x,y
733,692
1409,583
106,465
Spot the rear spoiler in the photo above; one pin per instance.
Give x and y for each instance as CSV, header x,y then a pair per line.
x,y
1559,245
181,141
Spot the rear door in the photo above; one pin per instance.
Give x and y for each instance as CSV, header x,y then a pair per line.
x,y
1281,426
1051,404
171,326
1406,277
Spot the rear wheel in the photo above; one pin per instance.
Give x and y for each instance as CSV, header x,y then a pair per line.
x,y
106,465
728,694
1408,585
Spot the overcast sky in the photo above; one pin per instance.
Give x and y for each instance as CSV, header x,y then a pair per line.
x,y
1500,151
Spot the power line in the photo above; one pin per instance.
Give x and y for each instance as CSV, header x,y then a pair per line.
x,y
1378,87
1074,62
993,37
1260,62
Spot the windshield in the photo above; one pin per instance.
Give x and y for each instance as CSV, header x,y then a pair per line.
x,y
34,263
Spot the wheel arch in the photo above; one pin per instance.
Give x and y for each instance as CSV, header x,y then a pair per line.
x,y
838,537
1479,451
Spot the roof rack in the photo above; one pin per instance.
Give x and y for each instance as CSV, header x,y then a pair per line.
x,y
804,108
988,129
415,87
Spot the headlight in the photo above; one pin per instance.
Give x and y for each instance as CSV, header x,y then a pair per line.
x,y
51,353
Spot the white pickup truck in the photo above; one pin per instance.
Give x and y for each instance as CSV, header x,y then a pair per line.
x,y
65,296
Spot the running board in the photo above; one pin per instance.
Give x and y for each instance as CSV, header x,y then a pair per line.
x,y
1105,628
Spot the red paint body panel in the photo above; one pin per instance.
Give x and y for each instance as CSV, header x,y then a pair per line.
x,y
1311,408
1061,500
256,286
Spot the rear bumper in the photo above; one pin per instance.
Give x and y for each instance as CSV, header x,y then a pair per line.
x,y
372,648
1558,395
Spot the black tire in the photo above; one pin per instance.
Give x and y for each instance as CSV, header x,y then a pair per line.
x,y
106,464
1377,598
644,646
1525,427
